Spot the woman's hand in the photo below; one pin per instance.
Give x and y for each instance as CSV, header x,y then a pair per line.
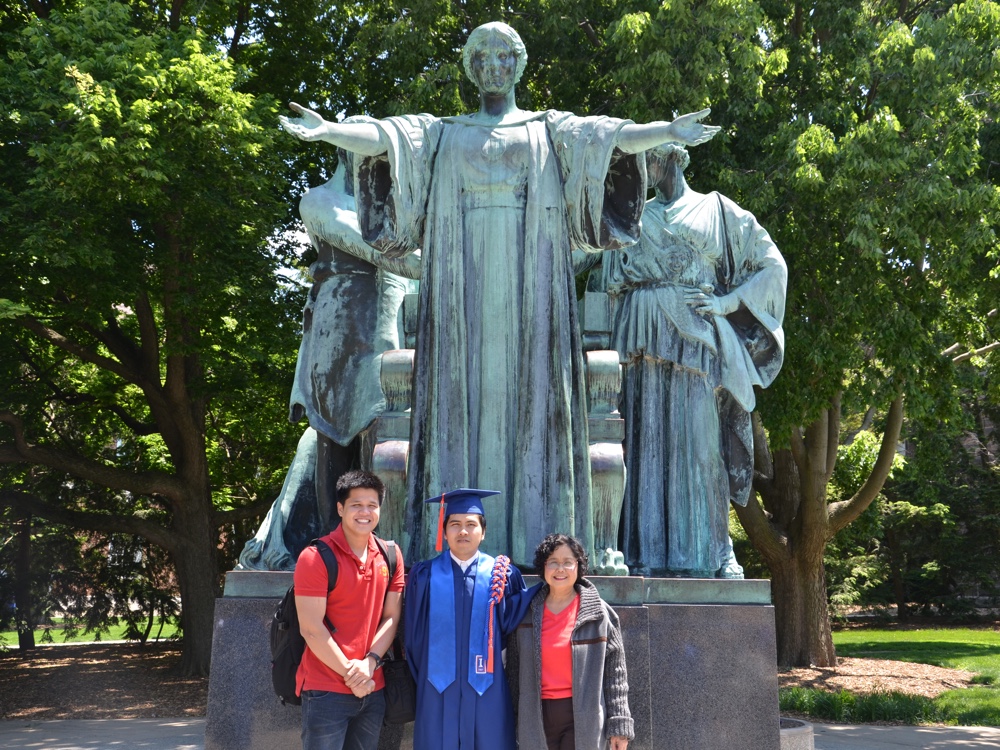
x,y
619,743
688,130
309,126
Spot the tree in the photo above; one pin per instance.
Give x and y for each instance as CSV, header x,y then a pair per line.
x,y
888,223
942,525
91,581
143,325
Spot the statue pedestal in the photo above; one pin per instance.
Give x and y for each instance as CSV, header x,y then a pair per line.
x,y
701,658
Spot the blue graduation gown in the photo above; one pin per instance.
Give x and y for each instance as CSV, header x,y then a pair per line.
x,y
460,718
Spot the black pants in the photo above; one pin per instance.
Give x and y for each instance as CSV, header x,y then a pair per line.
x,y
557,720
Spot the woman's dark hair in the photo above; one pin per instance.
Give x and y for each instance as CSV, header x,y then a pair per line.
x,y
551,543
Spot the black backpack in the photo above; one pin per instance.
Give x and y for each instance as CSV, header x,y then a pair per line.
x,y
287,643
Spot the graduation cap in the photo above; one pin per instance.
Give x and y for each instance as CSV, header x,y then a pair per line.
x,y
461,501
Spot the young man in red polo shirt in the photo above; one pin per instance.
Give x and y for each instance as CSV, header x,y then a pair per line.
x,y
339,678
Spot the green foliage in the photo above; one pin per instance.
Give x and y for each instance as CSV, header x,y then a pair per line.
x,y
931,539
90,583
136,171
975,706
850,708
119,580
943,521
53,544
748,557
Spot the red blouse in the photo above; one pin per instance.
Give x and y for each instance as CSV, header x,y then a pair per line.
x,y
557,651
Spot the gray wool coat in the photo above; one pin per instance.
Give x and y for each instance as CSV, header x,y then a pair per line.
x,y
600,682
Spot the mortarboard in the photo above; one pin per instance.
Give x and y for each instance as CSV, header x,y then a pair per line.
x,y
462,501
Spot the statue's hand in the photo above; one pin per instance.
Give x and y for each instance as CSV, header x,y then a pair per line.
x,y
309,126
709,304
688,130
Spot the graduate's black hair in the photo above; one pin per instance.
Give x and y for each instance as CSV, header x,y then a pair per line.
x,y
356,479
482,519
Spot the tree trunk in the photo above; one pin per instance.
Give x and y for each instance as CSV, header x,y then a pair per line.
x,y
22,588
198,579
896,565
149,621
798,587
792,522
792,544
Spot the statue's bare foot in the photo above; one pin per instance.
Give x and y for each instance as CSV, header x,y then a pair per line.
x,y
731,569
609,562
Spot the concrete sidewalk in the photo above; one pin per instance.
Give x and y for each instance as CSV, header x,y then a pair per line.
x,y
189,734
866,737
102,734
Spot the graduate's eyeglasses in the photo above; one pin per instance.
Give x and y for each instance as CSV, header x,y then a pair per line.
x,y
553,565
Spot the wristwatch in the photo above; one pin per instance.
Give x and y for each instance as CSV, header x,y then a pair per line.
x,y
378,659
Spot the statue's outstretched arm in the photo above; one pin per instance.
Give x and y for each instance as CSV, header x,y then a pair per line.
x,y
686,129
360,137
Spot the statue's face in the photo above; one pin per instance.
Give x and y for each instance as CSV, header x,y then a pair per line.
x,y
656,170
494,65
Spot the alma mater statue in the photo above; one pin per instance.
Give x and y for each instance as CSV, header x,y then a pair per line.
x,y
497,200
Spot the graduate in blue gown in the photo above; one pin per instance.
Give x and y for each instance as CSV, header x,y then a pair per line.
x,y
459,608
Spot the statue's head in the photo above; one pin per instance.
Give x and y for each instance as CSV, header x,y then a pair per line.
x,y
667,153
482,36
665,164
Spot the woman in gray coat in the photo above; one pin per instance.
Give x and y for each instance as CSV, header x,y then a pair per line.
x,y
571,684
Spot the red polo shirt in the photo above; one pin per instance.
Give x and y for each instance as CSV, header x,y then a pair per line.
x,y
354,607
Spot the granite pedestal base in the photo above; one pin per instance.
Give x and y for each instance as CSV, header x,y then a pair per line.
x,y
701,661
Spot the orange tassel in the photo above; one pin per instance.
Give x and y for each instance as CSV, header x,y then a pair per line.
x,y
440,537
489,643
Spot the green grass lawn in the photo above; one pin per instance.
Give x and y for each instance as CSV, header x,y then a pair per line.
x,y
115,633
977,651
957,648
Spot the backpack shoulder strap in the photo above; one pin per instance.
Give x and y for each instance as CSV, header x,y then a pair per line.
x,y
330,559
388,549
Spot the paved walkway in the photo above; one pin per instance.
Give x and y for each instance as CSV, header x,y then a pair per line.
x,y
843,737
104,734
189,734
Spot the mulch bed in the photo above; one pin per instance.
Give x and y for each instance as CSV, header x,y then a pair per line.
x,y
94,681
882,675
